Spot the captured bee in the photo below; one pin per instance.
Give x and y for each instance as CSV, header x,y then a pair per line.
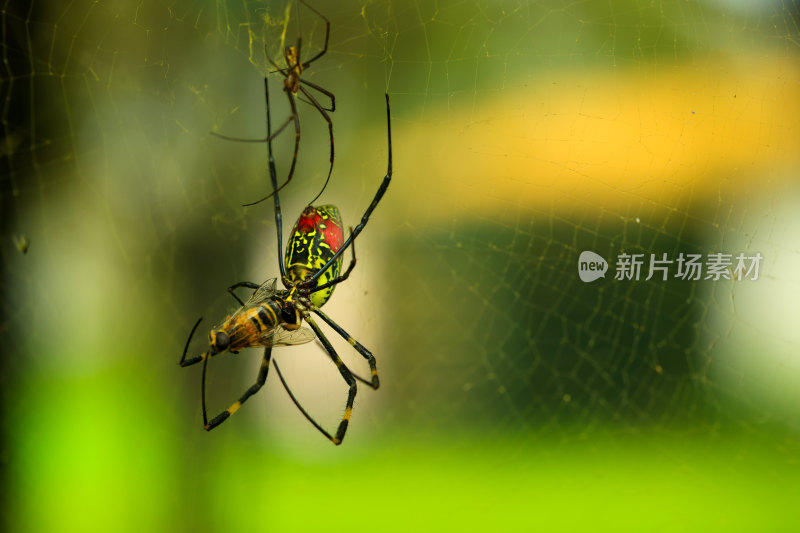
x,y
265,320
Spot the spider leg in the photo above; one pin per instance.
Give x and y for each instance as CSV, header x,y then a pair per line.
x,y
273,175
194,360
327,35
248,284
346,375
267,138
325,92
377,198
366,354
241,140
260,380
296,119
187,362
327,118
344,276
284,72
297,403
237,139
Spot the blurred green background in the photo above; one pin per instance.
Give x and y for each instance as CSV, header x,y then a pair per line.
x,y
514,396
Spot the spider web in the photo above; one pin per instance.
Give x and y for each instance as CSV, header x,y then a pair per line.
x,y
524,134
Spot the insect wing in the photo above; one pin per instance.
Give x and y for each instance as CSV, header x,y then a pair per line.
x,y
289,337
264,292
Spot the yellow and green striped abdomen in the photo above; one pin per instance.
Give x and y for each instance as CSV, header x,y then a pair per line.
x,y
316,237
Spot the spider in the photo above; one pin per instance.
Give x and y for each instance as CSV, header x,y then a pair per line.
x,y
292,84
273,317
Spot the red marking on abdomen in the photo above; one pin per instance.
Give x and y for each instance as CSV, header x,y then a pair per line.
x,y
308,221
333,236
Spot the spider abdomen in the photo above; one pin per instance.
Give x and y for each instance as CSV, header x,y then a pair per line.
x,y
316,237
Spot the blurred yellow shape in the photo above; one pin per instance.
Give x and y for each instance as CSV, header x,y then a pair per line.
x,y
594,140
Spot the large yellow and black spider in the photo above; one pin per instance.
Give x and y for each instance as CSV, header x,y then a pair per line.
x,y
273,317
293,84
